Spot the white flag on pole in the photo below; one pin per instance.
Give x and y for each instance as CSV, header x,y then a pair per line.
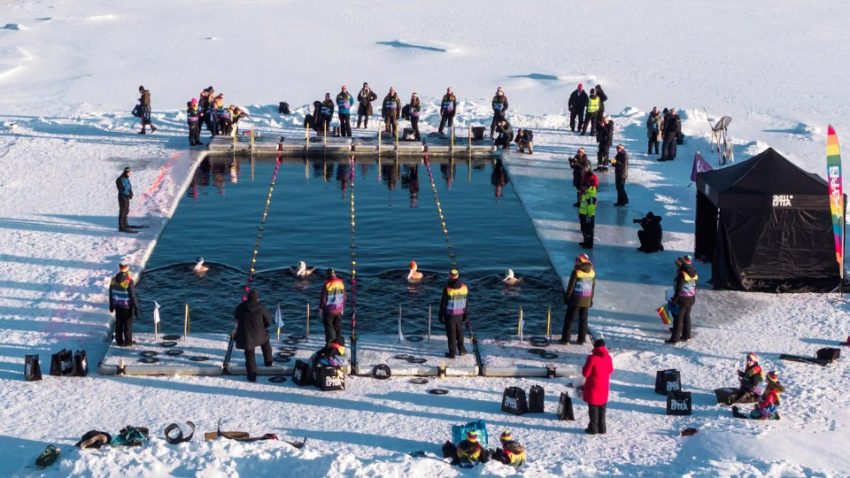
x,y
155,312
278,317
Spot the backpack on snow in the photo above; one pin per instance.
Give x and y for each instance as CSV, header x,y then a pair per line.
x,y
459,432
829,353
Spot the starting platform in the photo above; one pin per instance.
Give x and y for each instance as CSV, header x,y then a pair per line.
x,y
531,357
414,356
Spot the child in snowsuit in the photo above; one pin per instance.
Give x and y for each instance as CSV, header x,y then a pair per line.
x,y
768,405
193,119
751,379
468,452
511,453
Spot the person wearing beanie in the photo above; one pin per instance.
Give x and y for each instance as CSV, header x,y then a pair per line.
x,y
597,372
364,104
650,235
145,104
684,297
751,379
331,355
125,304
587,209
511,453
125,194
193,119
453,313
577,104
413,275
579,298
332,305
344,102
252,320
469,451
602,99
768,406
500,108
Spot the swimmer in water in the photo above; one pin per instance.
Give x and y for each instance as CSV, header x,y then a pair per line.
x,y
200,269
302,271
413,275
510,279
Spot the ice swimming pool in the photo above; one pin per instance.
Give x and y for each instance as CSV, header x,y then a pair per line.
x,y
309,219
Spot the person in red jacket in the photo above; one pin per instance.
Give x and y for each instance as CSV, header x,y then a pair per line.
x,y
597,373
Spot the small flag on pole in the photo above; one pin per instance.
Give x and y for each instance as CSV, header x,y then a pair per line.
x,y
700,166
278,319
156,320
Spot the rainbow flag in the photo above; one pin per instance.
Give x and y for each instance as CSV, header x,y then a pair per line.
x,y
836,195
664,314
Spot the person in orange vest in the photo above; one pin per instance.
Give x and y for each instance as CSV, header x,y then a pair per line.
x,y
332,305
453,310
684,296
579,298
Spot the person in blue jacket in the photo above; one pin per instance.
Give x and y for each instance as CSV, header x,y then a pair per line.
x,y
344,102
125,194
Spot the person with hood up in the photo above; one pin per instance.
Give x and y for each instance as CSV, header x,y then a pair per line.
x,y
332,305
448,109
587,209
579,298
364,105
684,296
145,104
597,372
391,111
577,104
650,234
453,313
252,320
500,107
344,102
125,304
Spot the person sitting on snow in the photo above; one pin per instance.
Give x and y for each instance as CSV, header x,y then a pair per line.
x,y
468,452
511,453
332,355
751,379
768,405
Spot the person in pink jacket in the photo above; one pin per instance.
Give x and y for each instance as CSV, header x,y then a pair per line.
x,y
597,373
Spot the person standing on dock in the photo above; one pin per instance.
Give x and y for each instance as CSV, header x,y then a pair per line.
x,y
252,320
344,102
391,110
413,108
591,113
364,108
597,372
125,194
332,305
621,173
145,103
124,303
500,107
453,312
326,113
579,298
448,108
587,209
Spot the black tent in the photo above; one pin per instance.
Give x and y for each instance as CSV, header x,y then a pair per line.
x,y
765,225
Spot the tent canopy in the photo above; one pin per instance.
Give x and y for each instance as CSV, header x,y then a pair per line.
x,y
765,224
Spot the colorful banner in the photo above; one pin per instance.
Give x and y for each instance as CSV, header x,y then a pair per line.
x,y
664,314
836,194
700,166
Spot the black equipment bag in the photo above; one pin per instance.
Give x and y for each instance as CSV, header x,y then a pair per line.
x,y
81,364
667,381
405,112
477,133
514,401
679,403
32,368
536,399
61,363
283,108
565,408
137,111
829,353
330,379
302,375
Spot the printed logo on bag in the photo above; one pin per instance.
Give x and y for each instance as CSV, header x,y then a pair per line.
x,y
672,386
782,200
511,402
679,405
333,381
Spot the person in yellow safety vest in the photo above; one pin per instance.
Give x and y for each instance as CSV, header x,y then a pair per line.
x,y
590,116
512,453
579,298
587,209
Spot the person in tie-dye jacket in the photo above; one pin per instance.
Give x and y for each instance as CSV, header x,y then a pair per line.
x,y
579,298
332,305
453,312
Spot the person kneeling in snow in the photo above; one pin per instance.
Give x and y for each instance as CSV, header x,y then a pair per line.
x,y
768,405
525,140
512,453
751,378
331,355
468,452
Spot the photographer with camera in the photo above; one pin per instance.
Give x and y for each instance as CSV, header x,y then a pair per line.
x,y
650,233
